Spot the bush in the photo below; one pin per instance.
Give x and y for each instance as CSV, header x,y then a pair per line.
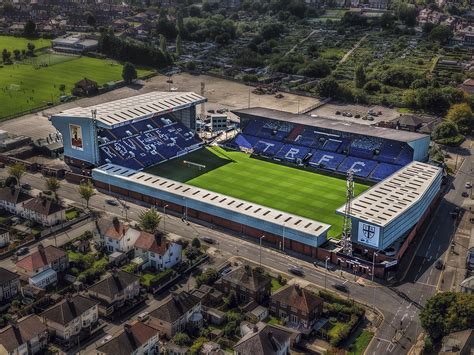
x,y
372,86
208,277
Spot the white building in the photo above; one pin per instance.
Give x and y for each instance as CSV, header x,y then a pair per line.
x,y
44,211
157,252
4,237
13,199
118,236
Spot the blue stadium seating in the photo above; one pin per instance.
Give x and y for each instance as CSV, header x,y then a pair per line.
x,y
253,127
292,153
245,141
148,142
405,156
267,147
331,145
383,170
326,160
360,167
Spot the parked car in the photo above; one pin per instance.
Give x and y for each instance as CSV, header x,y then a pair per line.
x,y
22,251
296,270
468,185
106,339
143,316
357,116
111,202
26,186
208,240
341,287
338,112
439,264
464,194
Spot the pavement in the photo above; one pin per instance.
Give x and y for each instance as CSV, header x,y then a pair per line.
x,y
399,305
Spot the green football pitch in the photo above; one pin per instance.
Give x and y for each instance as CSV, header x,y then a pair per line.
x,y
302,192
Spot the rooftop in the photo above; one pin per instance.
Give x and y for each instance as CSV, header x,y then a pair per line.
x,y
252,278
43,206
387,200
13,195
114,283
116,113
174,308
263,340
133,336
231,204
298,297
7,276
25,329
69,309
41,257
327,123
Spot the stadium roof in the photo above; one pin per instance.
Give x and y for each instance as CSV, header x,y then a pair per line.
x,y
116,113
231,204
328,123
390,198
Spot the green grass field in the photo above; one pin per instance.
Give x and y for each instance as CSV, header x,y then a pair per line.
x,y
24,86
289,189
11,43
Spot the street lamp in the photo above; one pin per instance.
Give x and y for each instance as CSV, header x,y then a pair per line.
x,y
263,236
326,271
373,272
164,218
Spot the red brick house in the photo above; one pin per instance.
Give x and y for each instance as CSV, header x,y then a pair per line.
x,y
248,283
298,307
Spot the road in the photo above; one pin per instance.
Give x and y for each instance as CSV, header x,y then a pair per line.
x,y
399,305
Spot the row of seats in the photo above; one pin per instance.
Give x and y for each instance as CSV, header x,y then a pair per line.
x,y
145,143
316,158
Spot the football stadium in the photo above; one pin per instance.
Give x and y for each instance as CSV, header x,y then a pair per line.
x,y
281,175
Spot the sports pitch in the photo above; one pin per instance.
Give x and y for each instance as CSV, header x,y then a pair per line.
x,y
34,82
302,192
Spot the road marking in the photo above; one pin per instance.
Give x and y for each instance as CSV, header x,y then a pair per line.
x,y
404,316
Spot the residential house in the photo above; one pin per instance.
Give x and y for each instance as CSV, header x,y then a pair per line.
x,y
298,307
459,343
85,87
67,319
9,285
157,251
44,211
264,339
114,291
4,237
468,86
117,235
173,315
208,295
12,199
248,283
25,336
136,338
42,267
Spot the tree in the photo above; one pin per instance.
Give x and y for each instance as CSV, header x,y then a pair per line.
x,y
182,339
6,54
30,29
387,20
62,88
359,77
163,45
129,73
17,170
328,87
461,115
179,45
149,220
196,243
316,69
441,34
446,129
447,312
52,184
208,277
91,21
407,13
31,49
86,191
231,301
17,54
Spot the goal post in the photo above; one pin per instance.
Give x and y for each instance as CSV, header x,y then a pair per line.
x,y
190,163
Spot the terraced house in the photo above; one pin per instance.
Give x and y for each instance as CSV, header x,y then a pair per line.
x,y
9,285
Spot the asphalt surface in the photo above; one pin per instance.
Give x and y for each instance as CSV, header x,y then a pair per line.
x,y
399,305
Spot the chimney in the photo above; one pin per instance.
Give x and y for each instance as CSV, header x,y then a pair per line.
x,y
255,329
40,248
116,224
127,327
69,298
298,289
158,238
